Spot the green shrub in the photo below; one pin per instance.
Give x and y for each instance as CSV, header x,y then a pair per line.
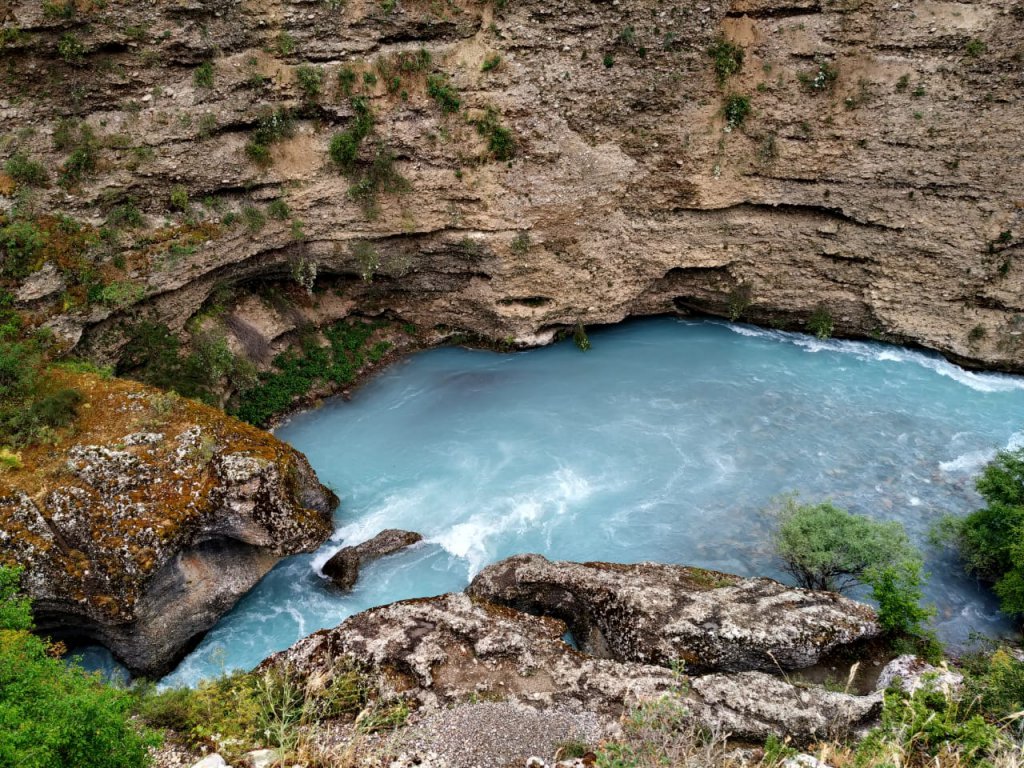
x,y
64,134
119,294
298,370
974,48
897,590
580,338
21,243
278,209
821,323
727,58
491,62
344,150
258,153
59,9
254,218
152,354
380,176
203,76
125,215
24,170
996,682
207,125
740,299
310,80
500,141
991,540
608,61
822,78
443,93
737,108
346,80
54,715
285,44
15,608
344,146
917,729
84,150
179,198
272,127
71,48
824,547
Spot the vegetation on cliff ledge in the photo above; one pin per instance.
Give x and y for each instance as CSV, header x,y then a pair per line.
x,y
33,404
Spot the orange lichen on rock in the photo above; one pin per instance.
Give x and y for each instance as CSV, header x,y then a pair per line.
x,y
141,478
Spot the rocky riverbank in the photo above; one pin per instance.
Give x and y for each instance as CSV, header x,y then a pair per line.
x,y
467,681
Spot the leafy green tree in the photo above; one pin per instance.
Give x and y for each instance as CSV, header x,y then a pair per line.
x,y
15,609
825,547
897,590
991,540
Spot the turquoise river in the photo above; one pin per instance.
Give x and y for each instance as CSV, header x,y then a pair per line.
x,y
667,441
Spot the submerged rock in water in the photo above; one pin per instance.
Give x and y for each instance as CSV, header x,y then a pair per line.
x,y
343,567
653,613
151,524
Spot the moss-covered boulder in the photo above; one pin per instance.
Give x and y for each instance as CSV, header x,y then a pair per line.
x,y
151,517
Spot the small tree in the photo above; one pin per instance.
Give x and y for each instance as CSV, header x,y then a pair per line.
x,y
828,548
825,547
15,608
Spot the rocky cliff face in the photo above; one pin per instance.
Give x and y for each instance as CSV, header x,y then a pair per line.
x,y
511,169
144,526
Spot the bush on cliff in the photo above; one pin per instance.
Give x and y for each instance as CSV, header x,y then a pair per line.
x,y
54,715
991,540
32,404
824,547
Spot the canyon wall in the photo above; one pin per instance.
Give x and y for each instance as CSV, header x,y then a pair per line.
x,y
520,167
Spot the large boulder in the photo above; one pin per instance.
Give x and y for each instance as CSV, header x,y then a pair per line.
x,y
146,524
343,567
447,651
656,614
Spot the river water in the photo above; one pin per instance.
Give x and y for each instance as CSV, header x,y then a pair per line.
x,y
665,442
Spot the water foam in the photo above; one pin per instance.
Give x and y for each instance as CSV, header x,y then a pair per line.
x,y
864,350
972,461
473,540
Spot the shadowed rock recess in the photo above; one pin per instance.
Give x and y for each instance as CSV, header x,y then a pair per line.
x,y
510,171
445,651
160,514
